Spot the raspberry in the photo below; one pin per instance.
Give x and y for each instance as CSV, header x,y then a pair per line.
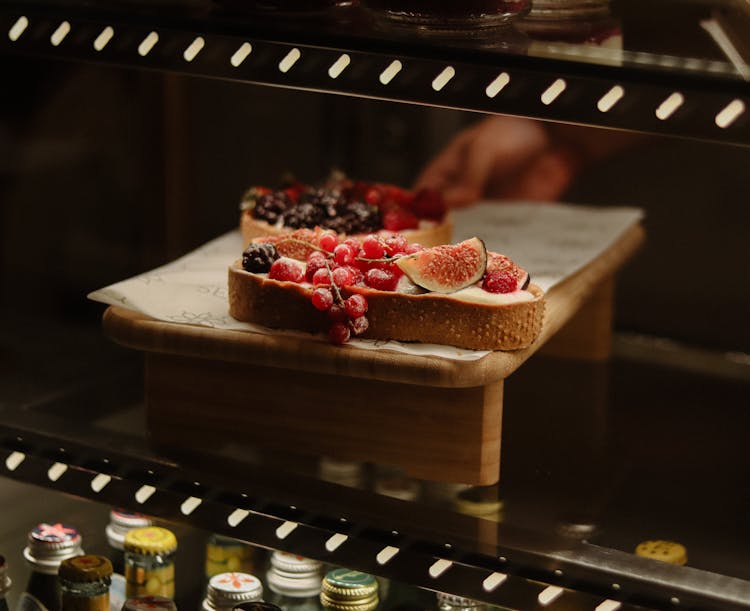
x,y
337,313
381,279
322,299
344,254
359,325
342,276
499,282
321,277
429,204
339,333
328,242
397,219
373,196
286,269
373,247
356,306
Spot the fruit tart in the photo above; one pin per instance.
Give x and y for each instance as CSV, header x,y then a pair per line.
x,y
346,207
379,286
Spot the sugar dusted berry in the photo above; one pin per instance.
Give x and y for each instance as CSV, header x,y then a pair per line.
x,y
500,282
372,247
258,258
337,313
322,299
287,269
413,248
356,306
328,242
344,254
317,260
342,276
339,333
395,244
381,279
359,325
322,277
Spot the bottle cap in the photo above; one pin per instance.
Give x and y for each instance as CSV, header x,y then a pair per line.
x,y
85,569
152,603
256,606
347,590
294,576
50,544
445,599
666,551
120,523
150,541
5,581
227,590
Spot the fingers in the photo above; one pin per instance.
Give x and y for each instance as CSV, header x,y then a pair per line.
x,y
545,178
448,165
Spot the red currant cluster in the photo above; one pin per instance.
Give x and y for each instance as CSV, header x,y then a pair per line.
x,y
332,266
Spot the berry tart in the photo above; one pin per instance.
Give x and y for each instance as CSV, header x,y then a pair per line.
x,y
348,208
379,286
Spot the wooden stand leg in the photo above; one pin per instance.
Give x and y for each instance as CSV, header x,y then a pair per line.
x,y
588,335
442,434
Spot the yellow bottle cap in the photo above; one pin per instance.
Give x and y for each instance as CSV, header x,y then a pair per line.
x,y
480,502
151,540
666,551
85,569
347,590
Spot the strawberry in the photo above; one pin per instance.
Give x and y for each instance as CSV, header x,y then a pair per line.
x,y
398,219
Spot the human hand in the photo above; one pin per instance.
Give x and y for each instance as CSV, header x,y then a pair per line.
x,y
504,157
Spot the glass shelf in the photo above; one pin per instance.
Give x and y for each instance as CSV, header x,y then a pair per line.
x,y
680,68
595,460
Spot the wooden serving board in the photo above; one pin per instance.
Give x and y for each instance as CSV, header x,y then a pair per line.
x,y
435,418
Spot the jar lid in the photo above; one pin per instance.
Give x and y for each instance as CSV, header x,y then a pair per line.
x,y
226,590
665,551
120,523
151,540
50,544
5,581
294,576
348,590
152,603
85,569
479,501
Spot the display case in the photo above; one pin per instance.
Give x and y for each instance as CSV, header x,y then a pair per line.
x,y
129,131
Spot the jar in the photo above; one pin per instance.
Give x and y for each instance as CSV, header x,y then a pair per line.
x,y
149,562
149,603
587,22
84,583
345,589
294,582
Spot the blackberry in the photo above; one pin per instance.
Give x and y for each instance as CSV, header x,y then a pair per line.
x,y
326,200
257,258
303,215
271,206
355,217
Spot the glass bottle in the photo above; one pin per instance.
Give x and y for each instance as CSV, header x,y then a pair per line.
x,y
5,584
149,562
48,545
121,522
152,603
294,582
227,590
345,589
84,583
225,555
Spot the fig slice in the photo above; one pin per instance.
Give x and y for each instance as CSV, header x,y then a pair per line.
x,y
448,268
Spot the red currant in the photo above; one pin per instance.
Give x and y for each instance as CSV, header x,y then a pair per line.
x,y
315,261
499,282
381,279
344,254
337,313
321,277
286,269
356,306
322,299
339,333
413,249
395,244
328,242
342,276
397,219
373,247
359,325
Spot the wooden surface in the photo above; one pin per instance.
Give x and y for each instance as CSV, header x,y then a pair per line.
x,y
300,354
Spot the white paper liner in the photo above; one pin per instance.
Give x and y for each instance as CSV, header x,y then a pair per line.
x,y
551,242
